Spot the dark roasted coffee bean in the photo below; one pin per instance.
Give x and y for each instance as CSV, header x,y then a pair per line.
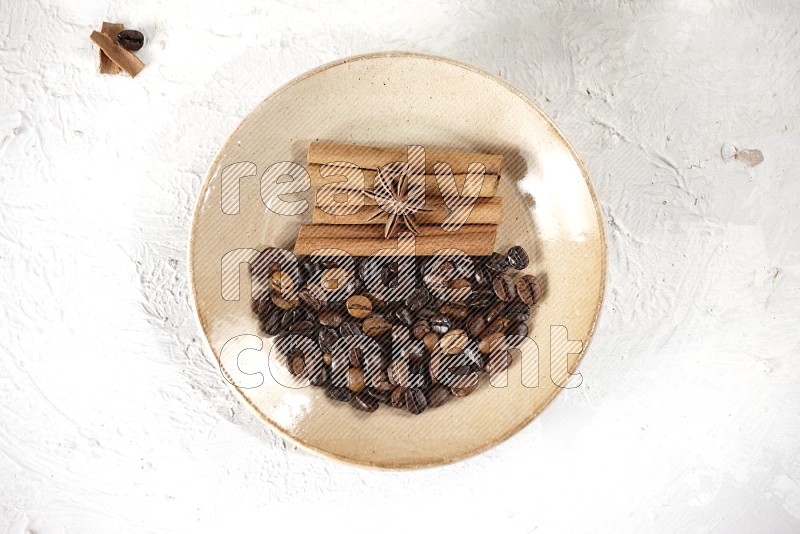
x,y
415,401
494,311
426,313
331,319
418,298
483,276
364,402
440,323
307,299
459,289
379,395
272,323
359,306
130,39
504,287
339,394
380,382
327,339
481,298
389,273
354,356
262,307
528,289
319,375
517,258
302,328
404,315
475,325
456,310
399,373
498,325
349,329
397,397
290,317
420,328
430,341
497,263
376,326
517,329
355,380
437,396
518,307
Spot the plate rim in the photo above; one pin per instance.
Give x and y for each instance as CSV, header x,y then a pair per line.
x,y
570,369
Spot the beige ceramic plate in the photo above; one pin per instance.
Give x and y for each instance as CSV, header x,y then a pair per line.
x,y
401,99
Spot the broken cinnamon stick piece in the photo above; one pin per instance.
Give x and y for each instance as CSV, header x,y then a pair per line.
x,y
488,189
106,65
373,158
485,211
365,240
124,59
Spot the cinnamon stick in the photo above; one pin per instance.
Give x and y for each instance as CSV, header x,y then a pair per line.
x,y
373,158
124,59
365,240
484,211
488,188
106,65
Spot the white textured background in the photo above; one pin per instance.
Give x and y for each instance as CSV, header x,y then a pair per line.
x,y
112,416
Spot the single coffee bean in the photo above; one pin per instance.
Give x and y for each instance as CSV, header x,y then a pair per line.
x,y
339,394
415,401
498,325
397,398
459,288
281,282
518,307
376,326
418,298
354,356
497,263
528,289
355,380
420,328
282,303
296,363
290,317
482,276
494,311
426,313
456,310
130,39
517,329
475,325
359,306
272,324
302,328
389,273
327,339
504,287
380,396
489,343
481,298
440,323
466,389
349,329
399,373
454,341
499,361
517,258
430,341
380,382
335,278
307,299
331,319
437,396
262,307
319,375
364,402
404,315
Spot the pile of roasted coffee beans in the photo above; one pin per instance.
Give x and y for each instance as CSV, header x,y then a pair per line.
x,y
407,332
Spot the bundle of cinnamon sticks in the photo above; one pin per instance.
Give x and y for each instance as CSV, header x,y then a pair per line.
x,y
456,206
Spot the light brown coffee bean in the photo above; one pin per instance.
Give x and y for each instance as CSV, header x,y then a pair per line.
x,y
491,342
355,380
504,287
376,326
430,340
359,306
330,319
282,303
454,341
528,289
335,278
281,282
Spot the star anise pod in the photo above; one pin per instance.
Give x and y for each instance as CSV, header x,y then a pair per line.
x,y
397,199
